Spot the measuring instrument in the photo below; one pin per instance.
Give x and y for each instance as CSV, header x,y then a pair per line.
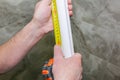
x,y
62,30
56,24
62,27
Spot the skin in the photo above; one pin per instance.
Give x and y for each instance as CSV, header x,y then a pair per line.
x,y
66,69
14,50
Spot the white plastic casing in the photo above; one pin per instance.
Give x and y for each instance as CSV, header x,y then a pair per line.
x,y
65,28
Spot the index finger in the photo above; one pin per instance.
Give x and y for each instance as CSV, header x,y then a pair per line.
x,y
69,2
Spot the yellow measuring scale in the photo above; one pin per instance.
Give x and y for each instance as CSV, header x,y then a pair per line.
x,y
56,23
62,27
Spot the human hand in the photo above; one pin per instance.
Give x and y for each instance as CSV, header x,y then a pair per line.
x,y
42,15
66,69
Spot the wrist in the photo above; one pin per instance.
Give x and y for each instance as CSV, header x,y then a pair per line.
x,y
41,27
36,23
33,29
37,27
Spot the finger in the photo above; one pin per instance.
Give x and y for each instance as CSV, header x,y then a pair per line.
x,y
77,58
78,55
46,2
70,13
50,25
58,55
70,7
69,2
81,74
38,4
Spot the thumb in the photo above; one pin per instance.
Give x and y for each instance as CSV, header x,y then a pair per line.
x,y
46,2
57,53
